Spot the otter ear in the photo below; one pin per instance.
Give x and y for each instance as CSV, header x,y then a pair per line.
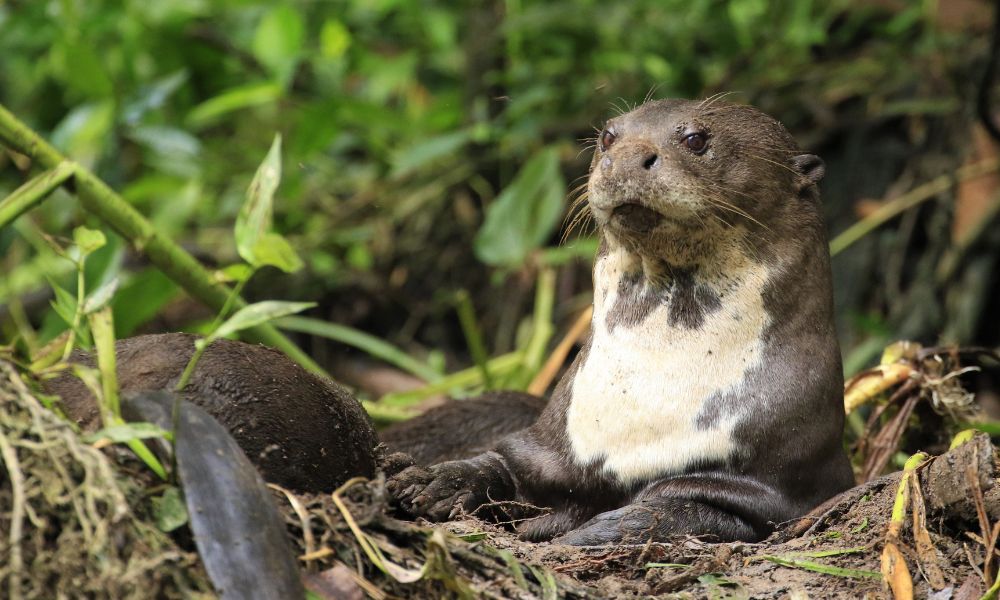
x,y
810,165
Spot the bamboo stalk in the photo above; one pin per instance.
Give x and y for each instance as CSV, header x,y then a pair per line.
x,y
100,200
33,192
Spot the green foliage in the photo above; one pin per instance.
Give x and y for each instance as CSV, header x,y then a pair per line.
x,y
255,314
410,131
259,247
170,510
255,241
124,432
523,216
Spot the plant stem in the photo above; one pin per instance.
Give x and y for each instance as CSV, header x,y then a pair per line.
x,y
233,296
102,330
33,192
464,379
897,205
542,320
100,200
473,337
199,349
77,315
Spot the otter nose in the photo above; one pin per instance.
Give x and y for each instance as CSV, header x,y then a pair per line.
x,y
642,153
631,157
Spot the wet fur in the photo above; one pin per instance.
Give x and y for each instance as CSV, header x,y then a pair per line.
x,y
707,399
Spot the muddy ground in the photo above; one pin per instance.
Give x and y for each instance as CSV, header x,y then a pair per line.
x,y
848,535
76,521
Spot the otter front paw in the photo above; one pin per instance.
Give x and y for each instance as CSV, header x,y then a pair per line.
x,y
439,493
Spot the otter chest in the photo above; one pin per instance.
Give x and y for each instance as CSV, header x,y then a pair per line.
x,y
658,356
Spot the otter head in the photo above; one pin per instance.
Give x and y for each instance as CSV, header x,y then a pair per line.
x,y
669,175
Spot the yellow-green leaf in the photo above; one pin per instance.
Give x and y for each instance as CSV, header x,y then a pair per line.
x,y
273,250
88,240
254,219
255,314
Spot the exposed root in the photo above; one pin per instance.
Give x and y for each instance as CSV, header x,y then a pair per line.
x,y
70,530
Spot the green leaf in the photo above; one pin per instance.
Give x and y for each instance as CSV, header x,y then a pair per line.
x,y
237,98
274,250
514,567
365,342
64,304
277,43
152,96
550,590
79,66
580,248
815,567
171,150
427,151
255,314
254,219
100,298
334,39
170,510
84,131
715,579
235,272
88,240
125,432
524,214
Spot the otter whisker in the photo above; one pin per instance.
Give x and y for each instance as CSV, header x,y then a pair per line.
x,y
649,94
719,218
580,218
577,209
621,110
587,148
781,149
576,199
774,162
716,186
726,205
733,209
578,187
708,102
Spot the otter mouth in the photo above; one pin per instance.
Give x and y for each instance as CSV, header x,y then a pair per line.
x,y
636,217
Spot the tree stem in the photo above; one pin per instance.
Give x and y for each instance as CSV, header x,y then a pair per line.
x,y
100,200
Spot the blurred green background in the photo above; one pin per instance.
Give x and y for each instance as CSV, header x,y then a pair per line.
x,y
430,147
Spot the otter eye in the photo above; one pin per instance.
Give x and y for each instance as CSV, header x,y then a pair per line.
x,y
607,138
696,142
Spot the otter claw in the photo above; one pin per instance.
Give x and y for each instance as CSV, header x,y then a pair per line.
x,y
437,494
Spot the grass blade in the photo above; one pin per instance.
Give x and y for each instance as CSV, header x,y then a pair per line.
x,y
363,341
808,565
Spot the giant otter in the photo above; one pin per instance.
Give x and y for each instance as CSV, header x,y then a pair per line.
x,y
708,397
